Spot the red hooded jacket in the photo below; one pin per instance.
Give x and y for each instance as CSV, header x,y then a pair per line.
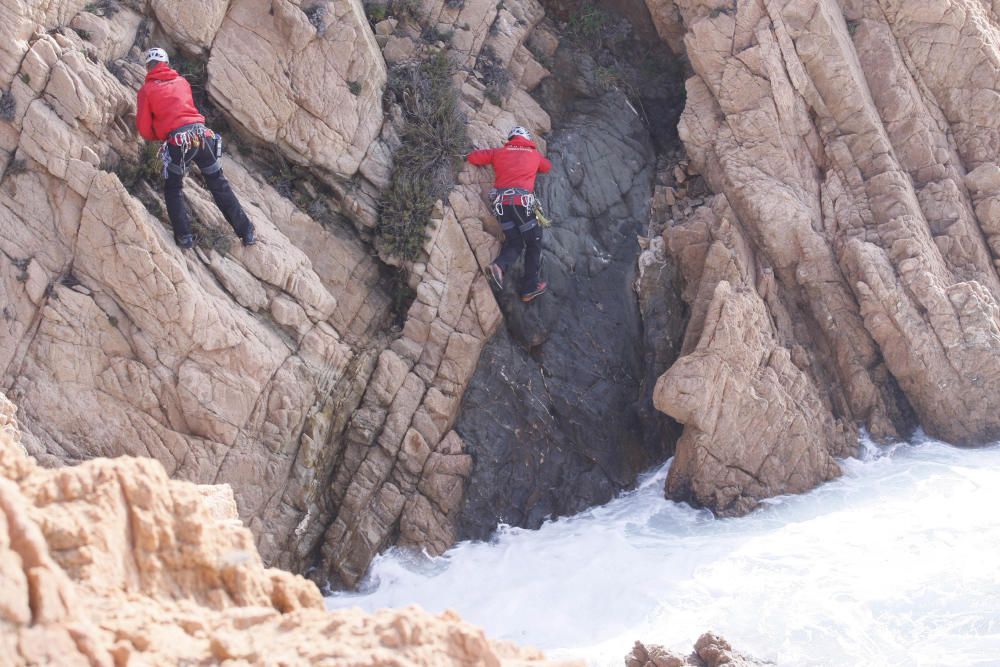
x,y
165,103
515,164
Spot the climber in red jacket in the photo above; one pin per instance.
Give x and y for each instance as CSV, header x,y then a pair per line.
x,y
166,112
515,165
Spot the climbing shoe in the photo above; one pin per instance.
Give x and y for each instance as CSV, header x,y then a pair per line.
x,y
495,274
539,289
250,238
185,242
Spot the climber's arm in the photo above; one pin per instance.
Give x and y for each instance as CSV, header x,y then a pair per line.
x,y
482,157
144,117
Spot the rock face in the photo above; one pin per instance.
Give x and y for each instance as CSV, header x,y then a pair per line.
x,y
555,397
224,365
559,415
846,273
110,562
843,274
403,470
278,369
284,70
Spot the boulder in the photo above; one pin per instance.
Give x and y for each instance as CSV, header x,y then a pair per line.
x,y
709,651
111,562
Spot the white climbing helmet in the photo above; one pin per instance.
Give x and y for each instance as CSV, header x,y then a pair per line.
x,y
518,131
156,54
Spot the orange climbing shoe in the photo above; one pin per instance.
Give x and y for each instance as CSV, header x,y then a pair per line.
x,y
539,289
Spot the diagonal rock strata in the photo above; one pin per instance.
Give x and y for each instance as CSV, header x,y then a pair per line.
x,y
841,137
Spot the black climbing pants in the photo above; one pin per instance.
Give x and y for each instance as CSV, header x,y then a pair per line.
x,y
202,155
522,233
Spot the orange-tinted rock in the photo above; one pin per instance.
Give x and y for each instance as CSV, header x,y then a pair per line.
x,y
110,562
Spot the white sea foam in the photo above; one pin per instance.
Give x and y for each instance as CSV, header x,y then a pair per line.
x,y
895,563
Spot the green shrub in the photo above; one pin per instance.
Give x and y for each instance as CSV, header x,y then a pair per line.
x,y
493,74
8,105
593,28
150,166
17,166
375,13
607,78
716,11
277,170
403,297
319,209
195,70
317,17
589,22
432,35
152,204
433,145
406,10
106,8
211,238
138,173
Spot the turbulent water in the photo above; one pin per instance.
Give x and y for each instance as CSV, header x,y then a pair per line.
x,y
897,562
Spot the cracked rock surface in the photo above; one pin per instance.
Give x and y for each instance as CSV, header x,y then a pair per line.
x,y
833,228
281,369
845,273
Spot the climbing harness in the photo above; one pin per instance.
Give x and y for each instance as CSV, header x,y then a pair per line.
x,y
514,197
508,196
189,138
519,197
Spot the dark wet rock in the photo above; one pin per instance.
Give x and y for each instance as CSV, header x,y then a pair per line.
x,y
552,416
664,318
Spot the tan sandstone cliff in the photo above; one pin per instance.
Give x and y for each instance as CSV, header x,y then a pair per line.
x,y
843,275
111,563
275,369
846,272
